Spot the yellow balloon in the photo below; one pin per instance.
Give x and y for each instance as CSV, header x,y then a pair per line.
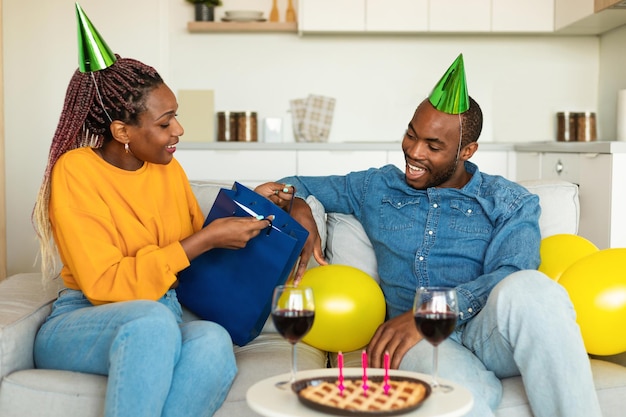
x,y
597,287
560,251
349,307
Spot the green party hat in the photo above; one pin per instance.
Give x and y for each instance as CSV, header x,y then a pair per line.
x,y
93,52
450,94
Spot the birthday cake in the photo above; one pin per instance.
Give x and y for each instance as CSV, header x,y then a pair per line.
x,y
403,395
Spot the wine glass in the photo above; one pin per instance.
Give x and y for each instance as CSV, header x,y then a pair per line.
x,y
293,312
435,312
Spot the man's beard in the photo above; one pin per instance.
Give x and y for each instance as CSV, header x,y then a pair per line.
x,y
442,175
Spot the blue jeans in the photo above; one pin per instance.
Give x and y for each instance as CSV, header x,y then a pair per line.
x,y
156,365
528,327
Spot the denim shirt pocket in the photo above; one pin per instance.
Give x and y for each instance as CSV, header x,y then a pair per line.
x,y
468,216
398,213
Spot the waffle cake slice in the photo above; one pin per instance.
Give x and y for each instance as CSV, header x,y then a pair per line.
x,y
405,394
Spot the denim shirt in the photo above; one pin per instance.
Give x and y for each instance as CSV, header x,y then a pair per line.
x,y
468,238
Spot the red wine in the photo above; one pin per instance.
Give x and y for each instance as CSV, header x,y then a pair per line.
x,y
435,327
293,325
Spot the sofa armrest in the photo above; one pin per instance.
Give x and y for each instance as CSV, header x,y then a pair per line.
x,y
24,305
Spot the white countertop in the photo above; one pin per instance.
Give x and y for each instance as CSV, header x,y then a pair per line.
x,y
326,146
553,146
573,147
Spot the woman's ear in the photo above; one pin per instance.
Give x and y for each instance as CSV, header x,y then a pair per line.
x,y
119,132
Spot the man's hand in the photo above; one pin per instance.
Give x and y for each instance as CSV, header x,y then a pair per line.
x,y
395,336
313,246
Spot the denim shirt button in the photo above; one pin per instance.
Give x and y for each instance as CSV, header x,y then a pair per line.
x,y
435,205
469,310
469,211
421,258
430,232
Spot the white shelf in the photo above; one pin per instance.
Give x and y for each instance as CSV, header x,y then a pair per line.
x,y
209,27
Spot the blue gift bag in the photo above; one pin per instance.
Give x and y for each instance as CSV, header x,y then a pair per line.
x,y
207,287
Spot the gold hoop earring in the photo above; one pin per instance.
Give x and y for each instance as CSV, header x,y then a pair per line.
x,y
126,148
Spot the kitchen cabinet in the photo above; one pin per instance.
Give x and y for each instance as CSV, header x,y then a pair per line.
x,y
588,17
396,15
548,166
460,16
331,15
522,16
599,169
426,16
363,15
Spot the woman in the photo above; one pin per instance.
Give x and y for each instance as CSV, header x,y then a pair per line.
x,y
124,219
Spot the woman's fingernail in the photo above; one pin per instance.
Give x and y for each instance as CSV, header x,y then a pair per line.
x,y
259,217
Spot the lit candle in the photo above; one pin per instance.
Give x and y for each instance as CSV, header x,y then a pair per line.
x,y
386,386
364,363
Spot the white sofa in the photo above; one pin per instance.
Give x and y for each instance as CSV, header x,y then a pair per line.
x,y
24,304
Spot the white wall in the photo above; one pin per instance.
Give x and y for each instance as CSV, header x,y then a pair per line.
x,y
377,80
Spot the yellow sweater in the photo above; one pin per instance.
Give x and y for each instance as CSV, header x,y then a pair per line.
x,y
118,232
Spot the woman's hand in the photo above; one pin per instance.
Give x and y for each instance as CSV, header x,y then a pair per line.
x,y
225,232
234,232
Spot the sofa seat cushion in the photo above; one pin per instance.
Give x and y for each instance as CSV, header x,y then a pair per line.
x,y
24,305
43,392
609,379
266,356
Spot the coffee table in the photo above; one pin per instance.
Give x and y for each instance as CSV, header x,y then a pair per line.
x,y
268,400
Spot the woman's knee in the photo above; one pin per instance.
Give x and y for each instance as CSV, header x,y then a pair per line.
x,y
206,333
209,343
148,322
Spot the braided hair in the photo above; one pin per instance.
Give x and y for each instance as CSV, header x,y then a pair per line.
x,y
92,101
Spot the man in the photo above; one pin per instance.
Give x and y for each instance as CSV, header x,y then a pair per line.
x,y
442,222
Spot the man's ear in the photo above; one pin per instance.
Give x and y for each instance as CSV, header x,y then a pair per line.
x,y
468,150
119,132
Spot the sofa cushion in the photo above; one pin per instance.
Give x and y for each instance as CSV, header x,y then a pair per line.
x,y
206,193
347,244
609,379
50,393
560,209
24,304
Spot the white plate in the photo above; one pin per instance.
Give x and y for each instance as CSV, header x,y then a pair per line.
x,y
243,14
225,19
